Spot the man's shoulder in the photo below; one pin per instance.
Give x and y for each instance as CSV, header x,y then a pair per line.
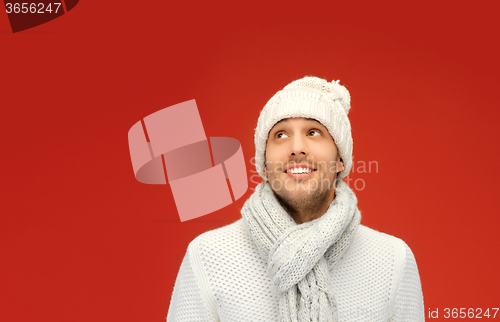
x,y
375,252
232,230
369,240
227,239
228,254
368,234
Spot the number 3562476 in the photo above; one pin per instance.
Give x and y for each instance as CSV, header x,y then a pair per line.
x,y
32,7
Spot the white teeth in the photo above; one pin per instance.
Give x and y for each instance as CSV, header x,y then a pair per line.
x,y
299,170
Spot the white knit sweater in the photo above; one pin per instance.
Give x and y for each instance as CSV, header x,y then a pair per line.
x,y
224,278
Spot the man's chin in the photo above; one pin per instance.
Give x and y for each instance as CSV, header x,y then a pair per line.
x,y
291,185
299,192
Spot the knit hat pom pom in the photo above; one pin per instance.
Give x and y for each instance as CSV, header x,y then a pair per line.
x,y
333,90
346,97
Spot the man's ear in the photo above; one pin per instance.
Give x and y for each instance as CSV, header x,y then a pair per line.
x,y
265,162
340,164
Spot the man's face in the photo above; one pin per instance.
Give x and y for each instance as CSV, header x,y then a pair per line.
x,y
302,162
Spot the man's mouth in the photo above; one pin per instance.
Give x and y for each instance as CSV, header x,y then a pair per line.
x,y
299,171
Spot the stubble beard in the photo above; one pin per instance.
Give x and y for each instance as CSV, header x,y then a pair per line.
x,y
307,199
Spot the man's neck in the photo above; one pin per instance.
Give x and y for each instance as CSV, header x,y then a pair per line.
x,y
308,212
301,217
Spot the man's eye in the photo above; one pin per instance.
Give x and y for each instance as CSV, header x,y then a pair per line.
x,y
279,135
314,131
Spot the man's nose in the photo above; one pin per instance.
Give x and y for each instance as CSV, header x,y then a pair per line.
x,y
298,146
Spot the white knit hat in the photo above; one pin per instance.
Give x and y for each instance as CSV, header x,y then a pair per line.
x,y
308,97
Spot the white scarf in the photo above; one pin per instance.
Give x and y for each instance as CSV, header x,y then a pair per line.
x,y
299,257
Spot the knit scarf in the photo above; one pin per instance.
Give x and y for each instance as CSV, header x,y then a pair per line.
x,y
300,257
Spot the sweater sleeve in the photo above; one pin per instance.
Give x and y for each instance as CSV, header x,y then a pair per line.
x,y
192,299
409,301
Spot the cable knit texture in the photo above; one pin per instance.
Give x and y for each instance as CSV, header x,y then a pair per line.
x,y
224,277
300,256
308,97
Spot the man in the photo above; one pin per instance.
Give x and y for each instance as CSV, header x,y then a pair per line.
x,y
299,252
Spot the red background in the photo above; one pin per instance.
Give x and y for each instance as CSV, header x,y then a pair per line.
x,y
82,240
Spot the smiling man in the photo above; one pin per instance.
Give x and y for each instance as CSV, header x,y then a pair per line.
x,y
302,162
299,252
